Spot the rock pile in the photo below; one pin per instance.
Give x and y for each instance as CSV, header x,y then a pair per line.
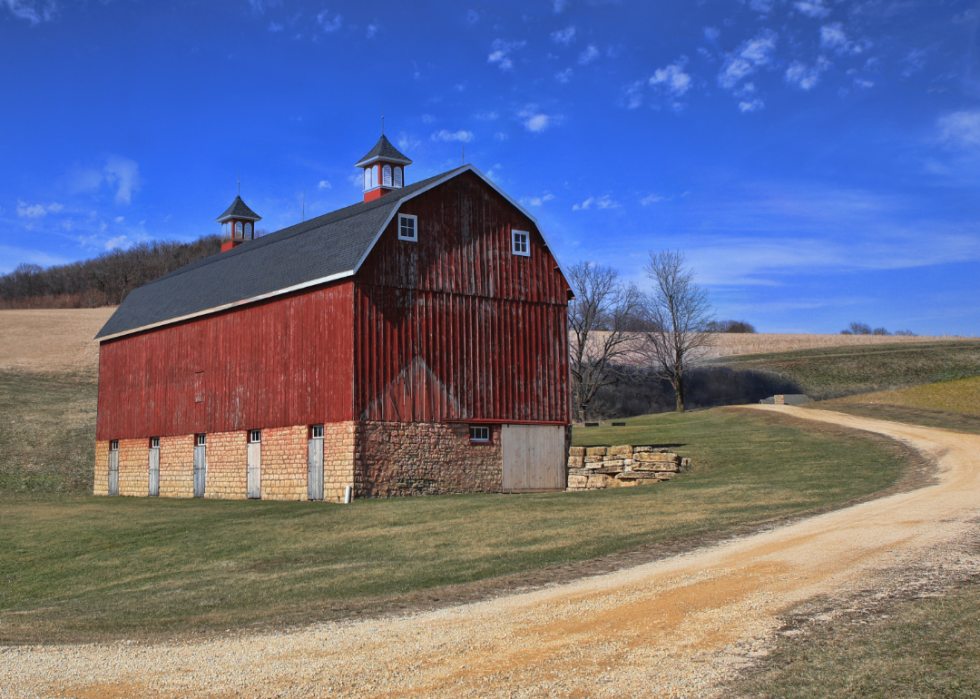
x,y
593,468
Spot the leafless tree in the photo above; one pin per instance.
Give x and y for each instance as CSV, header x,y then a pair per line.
x,y
598,318
680,315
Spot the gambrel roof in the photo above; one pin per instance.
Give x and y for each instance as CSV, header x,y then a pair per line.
x,y
325,248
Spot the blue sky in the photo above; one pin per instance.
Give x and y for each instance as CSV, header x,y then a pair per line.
x,y
817,161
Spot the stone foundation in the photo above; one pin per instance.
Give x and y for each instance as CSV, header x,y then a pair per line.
x,y
597,468
379,459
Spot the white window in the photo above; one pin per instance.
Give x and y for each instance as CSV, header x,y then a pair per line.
x,y
374,175
316,432
408,227
238,229
224,229
479,434
367,179
114,445
154,442
201,440
248,230
254,436
387,175
398,177
519,243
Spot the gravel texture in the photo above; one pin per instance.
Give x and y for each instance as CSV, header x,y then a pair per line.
x,y
679,627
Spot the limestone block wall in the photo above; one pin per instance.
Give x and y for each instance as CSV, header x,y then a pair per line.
x,y
284,454
134,467
227,454
338,459
177,466
409,458
595,468
101,486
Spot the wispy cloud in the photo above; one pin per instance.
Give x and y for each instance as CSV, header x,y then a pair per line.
x,y
535,121
960,128
329,25
25,210
564,36
371,31
590,53
673,78
834,37
500,51
752,105
652,199
564,76
119,173
806,77
538,201
449,136
559,6
273,27
748,58
324,185
603,202
815,9
259,6
472,17
33,11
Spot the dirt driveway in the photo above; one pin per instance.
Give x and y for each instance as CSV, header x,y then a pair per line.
x,y
675,627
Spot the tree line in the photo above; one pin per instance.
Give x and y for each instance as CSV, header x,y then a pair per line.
x,y
101,281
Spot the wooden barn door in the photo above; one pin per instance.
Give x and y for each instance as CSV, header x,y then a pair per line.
x,y
154,467
254,485
113,468
200,466
533,458
314,465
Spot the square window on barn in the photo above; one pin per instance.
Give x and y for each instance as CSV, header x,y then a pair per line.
x,y
114,445
201,440
479,434
154,442
316,432
519,244
408,227
254,436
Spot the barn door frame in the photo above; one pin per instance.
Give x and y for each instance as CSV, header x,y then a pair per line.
x,y
532,458
114,467
253,485
314,464
200,465
154,468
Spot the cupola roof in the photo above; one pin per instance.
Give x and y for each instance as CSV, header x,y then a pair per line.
x,y
238,210
383,150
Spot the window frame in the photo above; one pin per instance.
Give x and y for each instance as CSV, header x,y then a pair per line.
x,y
239,229
154,442
398,178
113,445
485,430
200,439
386,176
313,431
255,436
415,227
514,248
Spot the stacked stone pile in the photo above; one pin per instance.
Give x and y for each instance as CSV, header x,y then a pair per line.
x,y
594,468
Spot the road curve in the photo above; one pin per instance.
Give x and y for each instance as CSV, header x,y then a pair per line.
x,y
674,627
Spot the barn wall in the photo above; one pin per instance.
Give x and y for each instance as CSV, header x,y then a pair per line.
x,y
284,362
456,327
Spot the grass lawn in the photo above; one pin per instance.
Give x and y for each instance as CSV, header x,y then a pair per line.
x,y
76,567
830,372
924,648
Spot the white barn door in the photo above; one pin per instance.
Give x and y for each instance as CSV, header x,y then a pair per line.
x,y
533,458
155,469
254,484
114,472
314,470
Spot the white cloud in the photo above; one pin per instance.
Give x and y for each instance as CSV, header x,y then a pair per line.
x,y
590,54
25,210
712,34
273,27
603,202
652,199
428,118
120,219
559,6
487,116
833,36
564,76
747,58
500,136
538,201
534,121
916,61
372,29
120,241
329,25
634,94
751,105
258,6
124,175
806,77
863,83
564,36
763,6
959,128
812,8
408,143
31,10
500,51
472,17
448,136
673,78
324,185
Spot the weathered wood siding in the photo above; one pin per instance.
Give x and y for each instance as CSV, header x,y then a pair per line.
x,y
454,326
284,362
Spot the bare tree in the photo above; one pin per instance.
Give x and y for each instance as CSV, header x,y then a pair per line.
x,y
680,315
598,318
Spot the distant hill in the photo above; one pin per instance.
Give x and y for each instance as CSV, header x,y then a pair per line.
x,y
101,281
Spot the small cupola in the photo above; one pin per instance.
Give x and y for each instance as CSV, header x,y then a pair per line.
x,y
384,169
237,224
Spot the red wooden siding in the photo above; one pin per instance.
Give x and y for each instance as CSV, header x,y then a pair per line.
x,y
283,362
454,326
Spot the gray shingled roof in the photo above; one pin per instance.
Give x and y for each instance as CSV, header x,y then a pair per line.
x,y
383,149
321,247
239,210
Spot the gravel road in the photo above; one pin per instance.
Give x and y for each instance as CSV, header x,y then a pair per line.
x,y
672,628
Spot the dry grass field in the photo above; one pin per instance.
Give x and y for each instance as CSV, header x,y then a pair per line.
x,y
734,344
56,340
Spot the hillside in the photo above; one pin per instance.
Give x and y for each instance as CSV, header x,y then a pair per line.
x,y
53,340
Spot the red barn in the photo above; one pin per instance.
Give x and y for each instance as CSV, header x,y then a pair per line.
x,y
411,343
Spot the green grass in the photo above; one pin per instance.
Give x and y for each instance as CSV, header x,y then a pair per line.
x,y
830,372
76,567
922,648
